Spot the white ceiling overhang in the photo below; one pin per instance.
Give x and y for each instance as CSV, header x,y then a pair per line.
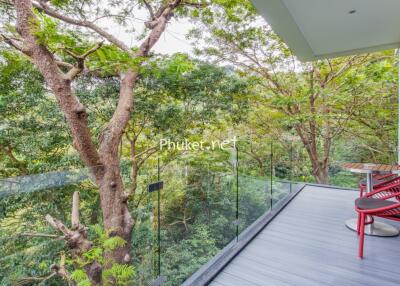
x,y
318,29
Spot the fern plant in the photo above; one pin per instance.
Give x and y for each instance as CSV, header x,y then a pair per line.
x,y
118,274
121,273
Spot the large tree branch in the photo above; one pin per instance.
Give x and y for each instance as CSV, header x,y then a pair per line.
x,y
45,8
76,238
157,27
111,136
16,44
13,43
73,110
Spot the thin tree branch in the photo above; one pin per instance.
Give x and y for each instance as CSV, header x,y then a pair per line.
x,y
150,9
45,8
112,134
13,43
75,211
46,235
76,70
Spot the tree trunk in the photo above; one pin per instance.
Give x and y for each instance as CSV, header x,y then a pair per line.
x,y
134,176
261,167
116,216
321,175
320,169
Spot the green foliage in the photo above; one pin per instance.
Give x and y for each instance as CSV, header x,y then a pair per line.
x,y
32,126
113,243
123,274
79,276
318,101
185,257
49,33
60,3
84,283
110,61
180,97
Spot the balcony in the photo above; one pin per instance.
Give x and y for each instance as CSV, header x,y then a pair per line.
x,y
253,231
206,219
309,244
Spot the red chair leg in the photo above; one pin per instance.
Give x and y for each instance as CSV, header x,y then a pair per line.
x,y
361,241
358,223
362,190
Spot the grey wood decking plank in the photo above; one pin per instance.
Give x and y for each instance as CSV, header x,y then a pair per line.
x,y
216,283
320,276
307,248
235,280
341,236
319,223
313,227
347,245
266,277
336,268
275,273
388,246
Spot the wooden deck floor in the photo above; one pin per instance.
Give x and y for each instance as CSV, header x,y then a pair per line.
x,y
308,244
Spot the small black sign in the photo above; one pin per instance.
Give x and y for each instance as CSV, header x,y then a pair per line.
x,y
155,186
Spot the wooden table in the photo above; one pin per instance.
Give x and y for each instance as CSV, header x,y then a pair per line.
x,y
377,228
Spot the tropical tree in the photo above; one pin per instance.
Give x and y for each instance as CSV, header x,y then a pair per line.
x,y
318,100
64,41
177,98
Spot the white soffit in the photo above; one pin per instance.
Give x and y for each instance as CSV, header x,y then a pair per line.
x,y
317,29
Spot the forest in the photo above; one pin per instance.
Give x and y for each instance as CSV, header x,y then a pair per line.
x,y
83,114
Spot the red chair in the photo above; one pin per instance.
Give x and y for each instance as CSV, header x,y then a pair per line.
x,y
378,181
378,203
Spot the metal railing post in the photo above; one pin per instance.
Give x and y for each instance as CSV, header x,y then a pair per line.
x,y
159,219
291,166
272,174
237,193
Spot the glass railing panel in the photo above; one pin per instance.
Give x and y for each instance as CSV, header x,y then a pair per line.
x,y
280,190
339,177
197,220
348,149
200,210
255,199
285,170
144,206
28,245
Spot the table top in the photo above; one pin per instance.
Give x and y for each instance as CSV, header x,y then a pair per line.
x,y
371,168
